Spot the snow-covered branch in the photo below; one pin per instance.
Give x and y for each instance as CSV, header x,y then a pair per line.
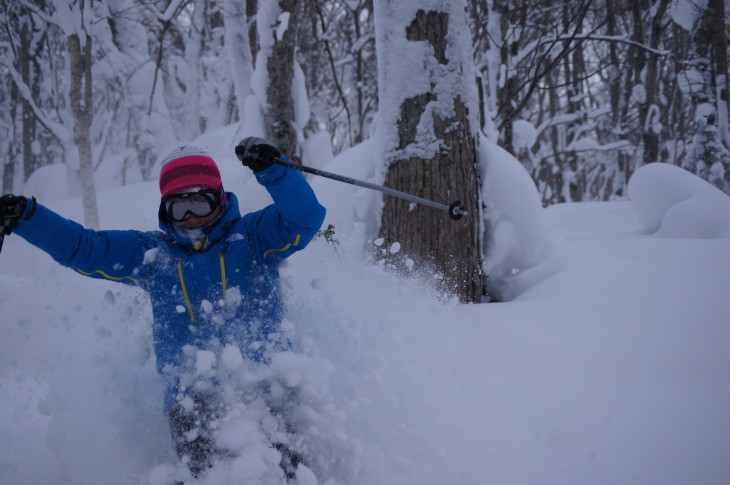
x,y
588,144
624,40
36,10
72,19
534,45
571,118
171,11
58,130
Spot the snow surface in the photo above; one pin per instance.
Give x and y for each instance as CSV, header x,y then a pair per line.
x,y
608,365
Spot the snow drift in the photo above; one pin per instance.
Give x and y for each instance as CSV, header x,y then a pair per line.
x,y
672,202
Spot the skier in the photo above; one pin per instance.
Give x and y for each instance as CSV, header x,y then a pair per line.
x,y
211,273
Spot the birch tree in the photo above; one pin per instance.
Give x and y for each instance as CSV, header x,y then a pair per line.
x,y
238,47
74,19
428,127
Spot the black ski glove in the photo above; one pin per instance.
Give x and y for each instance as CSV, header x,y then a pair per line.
x,y
256,153
11,208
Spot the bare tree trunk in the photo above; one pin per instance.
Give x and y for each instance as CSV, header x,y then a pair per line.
x,y
251,10
195,122
718,23
82,112
359,80
509,86
280,66
24,61
651,115
30,47
679,114
11,156
615,88
572,189
431,237
552,173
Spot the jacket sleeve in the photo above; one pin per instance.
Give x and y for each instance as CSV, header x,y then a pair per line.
x,y
292,220
112,255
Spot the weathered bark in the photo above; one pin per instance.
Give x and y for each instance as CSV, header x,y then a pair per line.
x,y
452,247
428,236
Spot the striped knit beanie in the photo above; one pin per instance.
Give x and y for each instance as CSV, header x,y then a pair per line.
x,y
187,168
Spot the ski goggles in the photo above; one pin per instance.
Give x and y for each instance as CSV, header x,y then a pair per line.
x,y
199,204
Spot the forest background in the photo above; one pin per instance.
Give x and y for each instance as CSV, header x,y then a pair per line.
x,y
560,83
581,93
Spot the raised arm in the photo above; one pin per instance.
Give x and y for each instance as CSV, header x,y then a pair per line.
x,y
112,255
295,216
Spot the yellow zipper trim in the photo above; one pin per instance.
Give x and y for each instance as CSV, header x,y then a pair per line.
x,y
185,291
295,244
113,278
224,282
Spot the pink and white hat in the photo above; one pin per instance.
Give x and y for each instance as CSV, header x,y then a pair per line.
x,y
187,168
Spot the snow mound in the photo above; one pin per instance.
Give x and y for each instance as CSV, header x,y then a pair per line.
x,y
671,202
49,182
52,181
518,235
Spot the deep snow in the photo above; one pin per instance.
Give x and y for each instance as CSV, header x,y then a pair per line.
x,y
609,366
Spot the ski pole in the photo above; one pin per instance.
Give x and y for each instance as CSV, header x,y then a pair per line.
x,y
455,210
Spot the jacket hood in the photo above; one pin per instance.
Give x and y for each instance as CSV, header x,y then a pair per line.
x,y
231,214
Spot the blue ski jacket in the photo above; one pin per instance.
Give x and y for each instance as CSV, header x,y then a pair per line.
x,y
226,291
